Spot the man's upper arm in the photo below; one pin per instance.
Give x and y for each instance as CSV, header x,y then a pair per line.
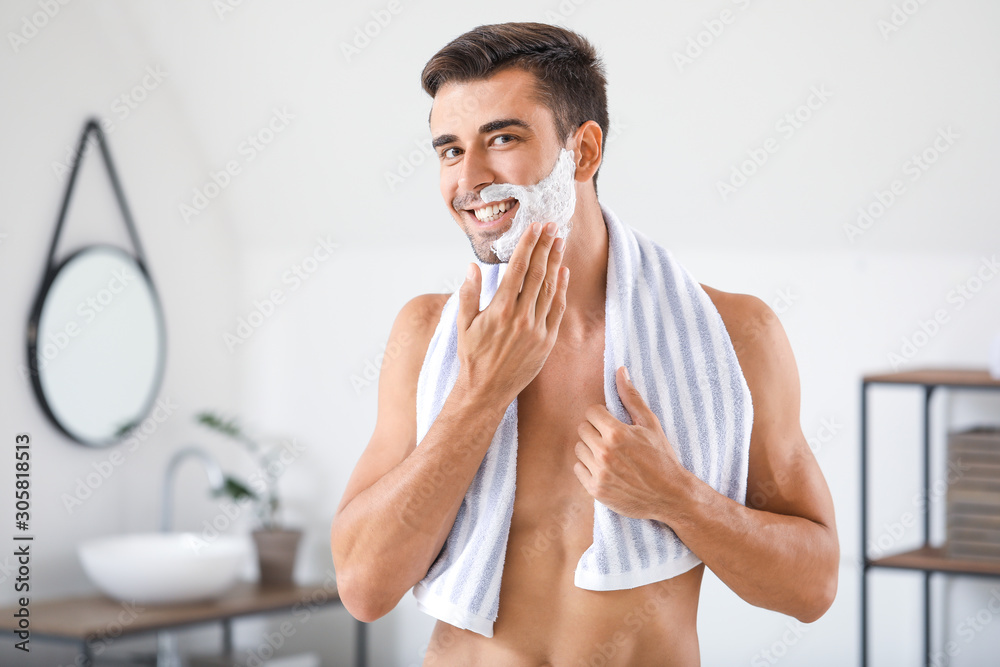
x,y
395,435
784,476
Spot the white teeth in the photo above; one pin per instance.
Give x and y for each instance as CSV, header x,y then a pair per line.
x,y
490,212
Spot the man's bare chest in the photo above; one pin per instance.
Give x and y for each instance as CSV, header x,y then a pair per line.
x,y
551,507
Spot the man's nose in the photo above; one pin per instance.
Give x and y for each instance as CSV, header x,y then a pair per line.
x,y
476,170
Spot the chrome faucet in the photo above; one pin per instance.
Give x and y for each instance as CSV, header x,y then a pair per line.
x,y
213,471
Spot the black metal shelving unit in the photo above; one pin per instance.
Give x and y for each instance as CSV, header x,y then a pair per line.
x,y
928,559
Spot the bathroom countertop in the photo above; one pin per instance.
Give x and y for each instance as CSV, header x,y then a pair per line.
x,y
98,617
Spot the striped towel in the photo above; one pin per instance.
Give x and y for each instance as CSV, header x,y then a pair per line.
x,y
662,325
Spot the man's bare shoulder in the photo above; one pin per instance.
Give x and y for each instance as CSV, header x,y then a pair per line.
x,y
762,348
749,321
417,321
425,310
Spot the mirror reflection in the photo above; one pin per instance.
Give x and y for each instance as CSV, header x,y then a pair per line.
x,y
98,349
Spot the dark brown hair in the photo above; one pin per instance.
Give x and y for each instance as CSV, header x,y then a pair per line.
x,y
570,78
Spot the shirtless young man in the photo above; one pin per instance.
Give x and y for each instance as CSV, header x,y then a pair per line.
x,y
543,343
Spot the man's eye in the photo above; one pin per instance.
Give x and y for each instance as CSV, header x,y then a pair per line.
x,y
446,153
511,137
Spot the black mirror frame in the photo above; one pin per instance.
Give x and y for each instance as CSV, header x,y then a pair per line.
x,y
92,126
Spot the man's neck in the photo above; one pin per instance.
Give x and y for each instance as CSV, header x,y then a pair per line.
x,y
586,256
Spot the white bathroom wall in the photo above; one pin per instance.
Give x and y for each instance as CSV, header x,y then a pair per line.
x,y
343,177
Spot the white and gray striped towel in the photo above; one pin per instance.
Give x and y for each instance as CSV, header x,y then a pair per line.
x,y
663,326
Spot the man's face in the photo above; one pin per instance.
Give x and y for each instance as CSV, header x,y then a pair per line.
x,y
490,131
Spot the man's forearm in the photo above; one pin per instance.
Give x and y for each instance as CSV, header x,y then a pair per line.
x,y
784,563
387,537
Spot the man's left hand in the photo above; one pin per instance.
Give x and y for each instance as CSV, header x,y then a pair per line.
x,y
631,468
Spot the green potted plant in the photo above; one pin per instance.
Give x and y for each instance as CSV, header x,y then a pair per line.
x,y
276,545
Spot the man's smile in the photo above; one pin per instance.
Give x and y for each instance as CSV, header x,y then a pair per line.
x,y
487,216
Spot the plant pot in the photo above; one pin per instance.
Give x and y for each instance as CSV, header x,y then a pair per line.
x,y
276,550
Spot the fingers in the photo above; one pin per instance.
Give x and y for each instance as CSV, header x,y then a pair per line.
x,y
558,307
537,268
517,266
468,298
585,455
551,283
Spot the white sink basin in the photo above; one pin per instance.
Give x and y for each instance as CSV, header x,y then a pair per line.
x,y
163,568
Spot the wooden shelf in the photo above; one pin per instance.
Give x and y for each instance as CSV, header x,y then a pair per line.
x,y
98,617
944,377
934,559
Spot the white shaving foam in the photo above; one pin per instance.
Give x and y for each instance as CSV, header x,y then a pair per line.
x,y
552,199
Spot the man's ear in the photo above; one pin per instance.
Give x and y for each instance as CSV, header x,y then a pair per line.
x,y
586,143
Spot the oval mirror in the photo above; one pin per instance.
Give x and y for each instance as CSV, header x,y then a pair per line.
x,y
96,345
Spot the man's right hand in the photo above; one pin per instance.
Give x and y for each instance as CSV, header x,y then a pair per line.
x,y
502,348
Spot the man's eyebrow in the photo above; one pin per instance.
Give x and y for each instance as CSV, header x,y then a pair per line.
x,y
495,125
443,139
491,126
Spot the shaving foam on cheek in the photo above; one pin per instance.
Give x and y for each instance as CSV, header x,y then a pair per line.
x,y
552,199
